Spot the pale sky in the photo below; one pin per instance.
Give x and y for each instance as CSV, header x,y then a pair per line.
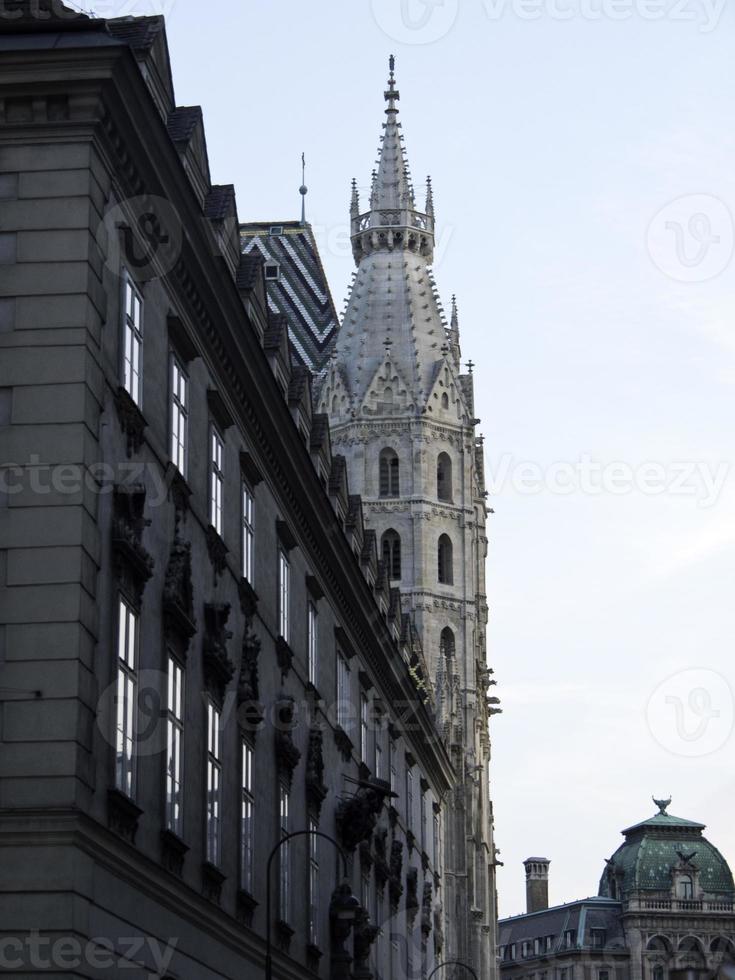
x,y
583,158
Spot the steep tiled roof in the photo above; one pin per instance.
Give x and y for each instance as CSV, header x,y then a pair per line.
x,y
248,271
183,121
137,32
301,292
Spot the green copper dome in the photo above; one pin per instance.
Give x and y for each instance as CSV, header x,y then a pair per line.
x,y
654,849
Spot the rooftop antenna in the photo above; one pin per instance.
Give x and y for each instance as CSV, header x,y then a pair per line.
x,y
303,190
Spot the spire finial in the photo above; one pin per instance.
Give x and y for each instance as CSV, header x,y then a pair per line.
x,y
470,366
455,312
303,190
392,95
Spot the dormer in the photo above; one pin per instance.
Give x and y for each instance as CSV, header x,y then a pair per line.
x,y
276,347
299,402
355,525
186,128
146,38
321,447
369,558
220,209
251,286
338,489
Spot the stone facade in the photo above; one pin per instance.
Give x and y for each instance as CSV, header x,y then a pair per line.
x,y
402,413
200,651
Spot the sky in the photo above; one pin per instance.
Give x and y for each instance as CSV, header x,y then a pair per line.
x,y
583,161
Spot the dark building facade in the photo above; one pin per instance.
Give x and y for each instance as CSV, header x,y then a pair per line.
x,y
665,909
201,653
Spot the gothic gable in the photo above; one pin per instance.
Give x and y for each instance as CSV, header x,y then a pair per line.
x,y
387,393
446,401
334,398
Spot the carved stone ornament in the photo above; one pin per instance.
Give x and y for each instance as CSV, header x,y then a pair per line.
x,y
366,856
316,791
396,873
426,916
382,868
218,668
412,896
365,935
173,852
284,656
249,709
217,550
212,881
357,815
178,592
343,742
132,422
133,564
122,815
287,753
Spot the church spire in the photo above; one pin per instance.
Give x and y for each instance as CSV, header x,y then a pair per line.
x,y
393,213
454,347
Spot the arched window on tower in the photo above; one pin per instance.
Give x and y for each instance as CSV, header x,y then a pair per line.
x,y
444,477
446,643
390,482
391,549
445,401
446,571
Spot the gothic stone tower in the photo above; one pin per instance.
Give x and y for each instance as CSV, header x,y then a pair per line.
x,y
402,414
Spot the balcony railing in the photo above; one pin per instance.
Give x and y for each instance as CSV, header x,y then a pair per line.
x,y
678,905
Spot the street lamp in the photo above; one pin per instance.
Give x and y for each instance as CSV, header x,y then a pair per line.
x,y
345,903
452,963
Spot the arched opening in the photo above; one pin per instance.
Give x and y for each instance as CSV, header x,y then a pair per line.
x,y
390,482
690,944
658,944
723,946
446,570
444,477
391,549
445,401
335,404
685,888
446,643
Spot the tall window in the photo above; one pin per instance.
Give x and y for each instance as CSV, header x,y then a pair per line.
x,y
313,642
247,807
393,770
343,693
364,727
217,479
437,841
284,594
248,532
446,571
132,338
284,879
379,774
409,796
126,698
179,415
685,888
313,883
444,477
175,742
391,543
390,484
214,783
423,821
446,643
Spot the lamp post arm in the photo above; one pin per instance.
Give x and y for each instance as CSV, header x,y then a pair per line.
x,y
276,849
452,963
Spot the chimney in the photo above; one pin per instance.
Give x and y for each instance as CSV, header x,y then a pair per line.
x,y
537,884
